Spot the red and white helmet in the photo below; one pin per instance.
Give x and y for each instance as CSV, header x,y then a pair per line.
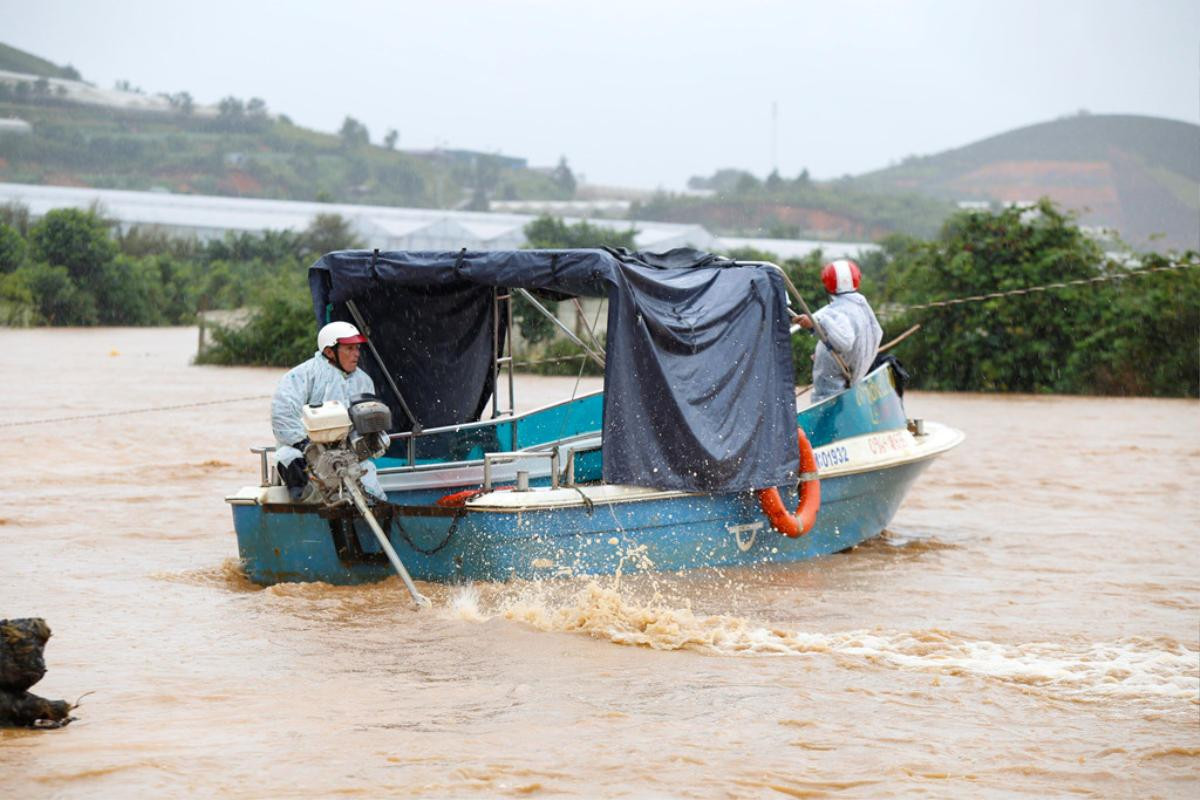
x,y
336,333
841,276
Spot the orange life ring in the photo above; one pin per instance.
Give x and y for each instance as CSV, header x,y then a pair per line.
x,y
805,517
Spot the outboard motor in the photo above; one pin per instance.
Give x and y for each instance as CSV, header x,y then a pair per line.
x,y
340,439
370,418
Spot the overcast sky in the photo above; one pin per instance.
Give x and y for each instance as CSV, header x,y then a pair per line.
x,y
647,93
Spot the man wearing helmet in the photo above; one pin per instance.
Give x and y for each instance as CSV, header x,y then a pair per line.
x,y
331,374
848,326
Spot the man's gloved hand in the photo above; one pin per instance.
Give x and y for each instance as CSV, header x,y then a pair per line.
x,y
295,477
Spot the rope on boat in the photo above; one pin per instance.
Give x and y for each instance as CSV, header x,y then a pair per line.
x,y
135,411
449,533
588,503
978,298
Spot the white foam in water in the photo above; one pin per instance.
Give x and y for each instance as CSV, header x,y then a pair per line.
x,y
1129,669
1135,668
464,604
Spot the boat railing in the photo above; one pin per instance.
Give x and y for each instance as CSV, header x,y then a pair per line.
x,y
504,458
269,476
575,449
408,440
581,443
557,454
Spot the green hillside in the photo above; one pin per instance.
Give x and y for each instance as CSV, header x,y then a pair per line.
x,y
243,155
1164,143
1139,175
240,149
14,60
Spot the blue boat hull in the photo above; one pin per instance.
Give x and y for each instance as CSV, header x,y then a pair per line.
x,y
665,534
623,529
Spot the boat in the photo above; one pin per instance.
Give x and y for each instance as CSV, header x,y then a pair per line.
x,y
690,457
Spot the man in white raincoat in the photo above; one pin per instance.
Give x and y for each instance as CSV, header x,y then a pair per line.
x,y
849,326
331,374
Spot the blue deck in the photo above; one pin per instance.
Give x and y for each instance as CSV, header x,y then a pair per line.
x,y
297,543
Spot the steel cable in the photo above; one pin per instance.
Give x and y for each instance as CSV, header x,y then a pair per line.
x,y
978,298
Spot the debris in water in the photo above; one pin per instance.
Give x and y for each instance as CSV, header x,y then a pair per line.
x,y
21,666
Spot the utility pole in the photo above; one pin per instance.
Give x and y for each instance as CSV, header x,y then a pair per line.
x,y
774,136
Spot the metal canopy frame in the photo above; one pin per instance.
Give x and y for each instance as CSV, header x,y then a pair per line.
x,y
502,356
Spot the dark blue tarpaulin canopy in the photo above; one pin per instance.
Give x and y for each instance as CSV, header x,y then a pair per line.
x,y
698,378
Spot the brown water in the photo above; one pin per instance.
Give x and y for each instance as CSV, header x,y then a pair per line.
x,y
1028,627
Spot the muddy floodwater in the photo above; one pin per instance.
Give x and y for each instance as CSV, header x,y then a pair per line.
x,y
1027,627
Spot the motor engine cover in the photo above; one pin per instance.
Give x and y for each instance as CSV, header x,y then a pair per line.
x,y
369,414
325,422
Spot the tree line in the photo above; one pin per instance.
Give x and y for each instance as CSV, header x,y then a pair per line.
x,y
75,267
1132,329
734,201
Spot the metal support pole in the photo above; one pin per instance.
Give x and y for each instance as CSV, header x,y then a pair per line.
x,y
362,327
583,322
599,359
508,337
419,600
495,352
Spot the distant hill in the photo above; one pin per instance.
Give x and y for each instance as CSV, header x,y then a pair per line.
x,y
1138,175
14,60
79,135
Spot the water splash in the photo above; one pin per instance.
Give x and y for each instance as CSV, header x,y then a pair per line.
x,y
1133,669
229,576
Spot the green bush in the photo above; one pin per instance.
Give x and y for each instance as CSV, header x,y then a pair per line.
x,y
280,334
72,238
1143,338
1137,335
56,297
1134,336
18,306
12,249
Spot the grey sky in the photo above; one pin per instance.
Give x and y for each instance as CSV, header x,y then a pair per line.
x,y
647,93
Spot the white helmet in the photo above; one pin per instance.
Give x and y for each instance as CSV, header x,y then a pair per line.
x,y
336,333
